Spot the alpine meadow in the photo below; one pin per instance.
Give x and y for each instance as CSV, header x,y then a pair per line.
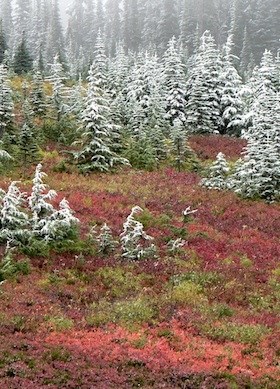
x,y
140,194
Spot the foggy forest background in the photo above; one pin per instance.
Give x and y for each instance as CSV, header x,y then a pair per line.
x,y
139,25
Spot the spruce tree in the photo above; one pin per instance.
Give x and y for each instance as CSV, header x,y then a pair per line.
x,y
97,131
58,96
204,89
6,102
22,63
218,174
174,80
3,43
28,151
37,97
14,221
231,104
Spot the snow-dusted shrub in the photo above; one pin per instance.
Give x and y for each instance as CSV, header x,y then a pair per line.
x,y
135,242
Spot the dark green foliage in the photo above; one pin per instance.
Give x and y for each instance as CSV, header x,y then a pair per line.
x,y
23,60
3,43
141,153
9,267
28,150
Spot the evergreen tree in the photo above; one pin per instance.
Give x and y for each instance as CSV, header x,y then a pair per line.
x,y
28,151
131,25
218,174
58,97
136,243
54,36
22,60
6,102
258,172
105,240
179,140
14,222
231,104
204,89
97,132
47,222
38,98
113,25
4,155
21,24
174,79
3,43
6,16
169,23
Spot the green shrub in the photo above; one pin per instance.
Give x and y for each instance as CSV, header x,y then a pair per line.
x,y
188,292
134,311
10,268
242,333
127,312
120,282
101,314
60,323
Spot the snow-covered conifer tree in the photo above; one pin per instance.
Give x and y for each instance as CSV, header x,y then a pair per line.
x,y
136,243
218,174
204,89
174,80
60,224
98,132
179,140
258,173
14,222
6,102
47,222
105,240
231,104
58,97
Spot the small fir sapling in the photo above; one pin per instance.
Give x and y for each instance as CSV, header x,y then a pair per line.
x,y
28,150
47,222
14,222
135,242
37,97
218,177
105,240
175,245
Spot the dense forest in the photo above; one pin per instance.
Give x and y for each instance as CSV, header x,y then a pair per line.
x,y
139,26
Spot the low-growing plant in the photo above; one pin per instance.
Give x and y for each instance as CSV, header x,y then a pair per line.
x,y
120,282
236,332
188,293
60,323
10,268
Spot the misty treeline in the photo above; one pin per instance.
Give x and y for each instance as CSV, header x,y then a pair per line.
x,y
139,25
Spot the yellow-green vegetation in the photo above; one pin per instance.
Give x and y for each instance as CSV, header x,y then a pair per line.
x,y
235,332
120,282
